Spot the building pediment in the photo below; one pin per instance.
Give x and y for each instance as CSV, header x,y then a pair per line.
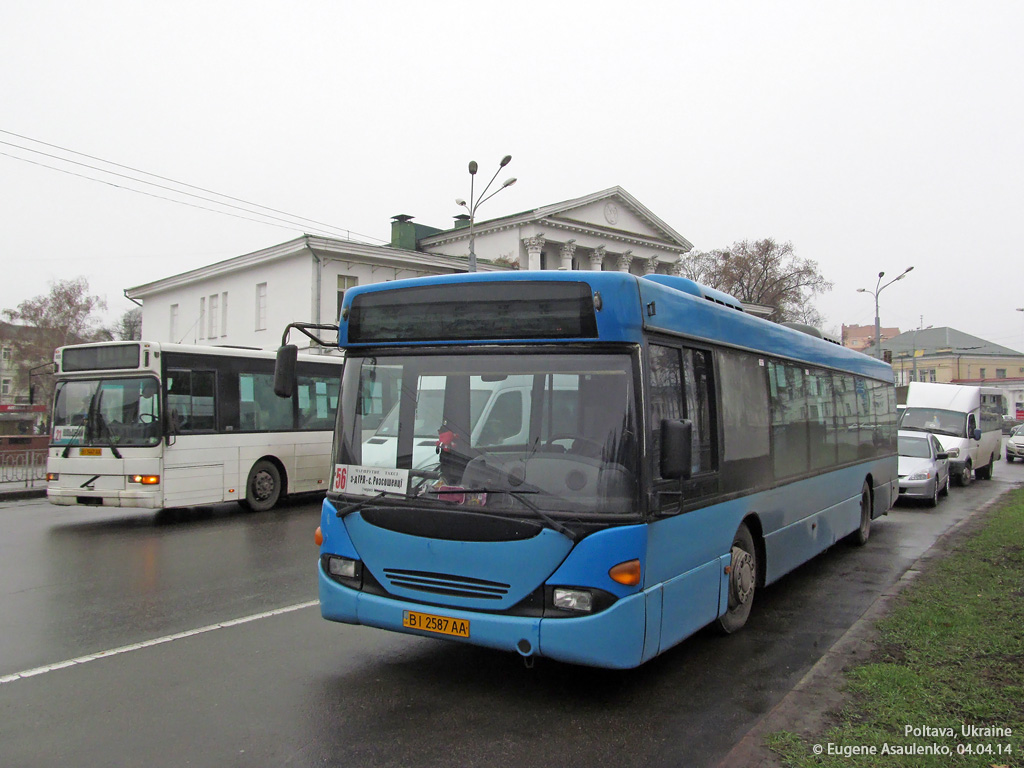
x,y
610,216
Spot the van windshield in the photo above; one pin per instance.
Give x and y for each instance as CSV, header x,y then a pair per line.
x,y
934,420
483,429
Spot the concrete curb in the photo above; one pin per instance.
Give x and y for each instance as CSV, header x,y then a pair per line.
x,y
27,493
805,710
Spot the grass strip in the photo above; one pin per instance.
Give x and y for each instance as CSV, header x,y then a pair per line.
x,y
945,685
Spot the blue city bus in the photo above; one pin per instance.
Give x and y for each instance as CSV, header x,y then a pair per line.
x,y
587,466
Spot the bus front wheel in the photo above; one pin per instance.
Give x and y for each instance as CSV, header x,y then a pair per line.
x,y
263,488
742,581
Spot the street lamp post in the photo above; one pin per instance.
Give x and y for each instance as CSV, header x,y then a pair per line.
x,y
878,289
914,350
475,203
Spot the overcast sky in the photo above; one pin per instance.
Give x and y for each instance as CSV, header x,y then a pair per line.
x,y
872,135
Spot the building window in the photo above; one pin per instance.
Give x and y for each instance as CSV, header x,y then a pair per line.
x,y
931,375
1000,373
224,314
5,386
7,356
214,316
202,315
174,322
261,307
983,373
344,283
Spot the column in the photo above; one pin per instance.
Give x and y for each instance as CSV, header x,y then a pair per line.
x,y
650,265
568,250
534,245
623,260
597,259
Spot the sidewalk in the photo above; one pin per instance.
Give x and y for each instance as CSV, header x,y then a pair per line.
x,y
20,489
806,710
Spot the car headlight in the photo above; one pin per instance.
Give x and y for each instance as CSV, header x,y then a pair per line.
x,y
920,476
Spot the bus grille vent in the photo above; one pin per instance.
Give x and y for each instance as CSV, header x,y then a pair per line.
x,y
446,584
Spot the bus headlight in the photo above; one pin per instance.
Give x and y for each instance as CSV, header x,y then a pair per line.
x,y
580,600
343,567
144,479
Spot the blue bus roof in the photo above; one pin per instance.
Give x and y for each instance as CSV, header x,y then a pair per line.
x,y
631,305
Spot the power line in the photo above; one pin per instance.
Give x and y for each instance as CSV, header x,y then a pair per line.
x,y
151,194
292,218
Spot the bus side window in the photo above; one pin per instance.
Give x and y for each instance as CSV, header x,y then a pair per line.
x,y
191,403
666,393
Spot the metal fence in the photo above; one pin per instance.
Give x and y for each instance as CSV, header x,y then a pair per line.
x,y
23,469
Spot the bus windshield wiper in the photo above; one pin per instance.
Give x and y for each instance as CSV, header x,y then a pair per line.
x,y
363,502
102,429
520,497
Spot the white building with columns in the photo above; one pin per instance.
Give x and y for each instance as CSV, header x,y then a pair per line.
x,y
248,300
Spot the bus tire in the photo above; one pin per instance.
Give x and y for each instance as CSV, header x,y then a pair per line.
x,y
863,533
742,581
263,487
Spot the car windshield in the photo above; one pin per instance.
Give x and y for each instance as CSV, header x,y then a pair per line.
x,y
934,420
914,447
497,432
116,412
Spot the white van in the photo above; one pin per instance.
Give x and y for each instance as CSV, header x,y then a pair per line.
x,y
499,415
970,431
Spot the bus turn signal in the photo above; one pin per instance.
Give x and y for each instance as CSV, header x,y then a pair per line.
x,y
627,573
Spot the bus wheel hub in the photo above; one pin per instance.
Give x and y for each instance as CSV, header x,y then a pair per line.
x,y
741,579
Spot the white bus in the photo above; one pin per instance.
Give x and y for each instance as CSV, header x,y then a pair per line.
x,y
156,425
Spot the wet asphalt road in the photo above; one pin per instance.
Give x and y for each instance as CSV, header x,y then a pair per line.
x,y
289,689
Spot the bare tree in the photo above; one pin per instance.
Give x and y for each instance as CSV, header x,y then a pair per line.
x,y
763,272
66,315
129,325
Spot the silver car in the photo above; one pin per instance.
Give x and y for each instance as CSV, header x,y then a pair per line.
x,y
924,467
1015,444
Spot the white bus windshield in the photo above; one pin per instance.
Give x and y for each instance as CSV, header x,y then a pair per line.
x,y
120,412
480,430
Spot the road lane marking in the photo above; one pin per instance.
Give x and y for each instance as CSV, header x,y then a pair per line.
x,y
156,641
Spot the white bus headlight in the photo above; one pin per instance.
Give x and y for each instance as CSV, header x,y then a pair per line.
x,y
573,599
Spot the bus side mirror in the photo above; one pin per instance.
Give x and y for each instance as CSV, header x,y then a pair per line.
x,y
676,449
284,370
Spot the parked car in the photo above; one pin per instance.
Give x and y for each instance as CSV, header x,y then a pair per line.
x,y
923,466
1015,444
1009,424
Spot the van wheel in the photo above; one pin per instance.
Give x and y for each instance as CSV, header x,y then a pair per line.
x,y
742,581
985,473
263,488
963,477
863,533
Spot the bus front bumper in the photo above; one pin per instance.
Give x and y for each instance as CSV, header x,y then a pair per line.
x,y
613,638
82,498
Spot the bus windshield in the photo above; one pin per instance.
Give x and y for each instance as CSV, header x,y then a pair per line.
x,y
555,432
121,412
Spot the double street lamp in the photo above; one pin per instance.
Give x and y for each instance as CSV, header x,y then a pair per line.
x,y
878,289
475,203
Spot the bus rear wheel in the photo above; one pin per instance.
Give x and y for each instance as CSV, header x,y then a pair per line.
x,y
863,533
263,487
742,581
